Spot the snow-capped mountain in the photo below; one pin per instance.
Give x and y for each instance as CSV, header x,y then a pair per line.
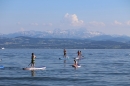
x,y
56,33
72,33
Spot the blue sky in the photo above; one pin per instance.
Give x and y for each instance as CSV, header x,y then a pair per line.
x,y
107,16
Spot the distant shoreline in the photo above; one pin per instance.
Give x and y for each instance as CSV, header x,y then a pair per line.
x,y
58,43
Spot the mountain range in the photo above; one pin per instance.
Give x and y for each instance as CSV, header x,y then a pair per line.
x,y
72,33
56,33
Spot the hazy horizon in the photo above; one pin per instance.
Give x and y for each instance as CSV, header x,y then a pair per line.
x,y
109,17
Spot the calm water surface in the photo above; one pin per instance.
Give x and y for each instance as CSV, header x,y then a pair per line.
x,y
99,67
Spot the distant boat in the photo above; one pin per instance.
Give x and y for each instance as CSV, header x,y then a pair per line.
x,y
2,48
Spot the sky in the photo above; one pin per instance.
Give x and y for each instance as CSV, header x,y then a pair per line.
x,y
106,16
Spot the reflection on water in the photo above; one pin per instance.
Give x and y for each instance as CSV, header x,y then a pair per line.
x,y
32,73
64,63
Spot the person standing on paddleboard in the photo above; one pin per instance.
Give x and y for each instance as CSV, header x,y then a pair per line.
x,y
64,56
64,53
78,53
75,63
33,60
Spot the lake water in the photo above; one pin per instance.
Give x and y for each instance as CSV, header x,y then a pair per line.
x,y
99,67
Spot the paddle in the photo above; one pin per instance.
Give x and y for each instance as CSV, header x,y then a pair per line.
x,y
29,64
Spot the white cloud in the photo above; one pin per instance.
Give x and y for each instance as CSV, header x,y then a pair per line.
x,y
117,23
95,23
47,24
50,24
128,22
18,23
73,19
22,29
35,24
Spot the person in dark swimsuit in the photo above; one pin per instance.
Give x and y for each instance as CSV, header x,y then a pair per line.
x,y
64,53
78,53
75,64
64,56
33,60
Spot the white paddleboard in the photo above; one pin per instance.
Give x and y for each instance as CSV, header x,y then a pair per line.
x,y
64,58
77,58
35,68
76,66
